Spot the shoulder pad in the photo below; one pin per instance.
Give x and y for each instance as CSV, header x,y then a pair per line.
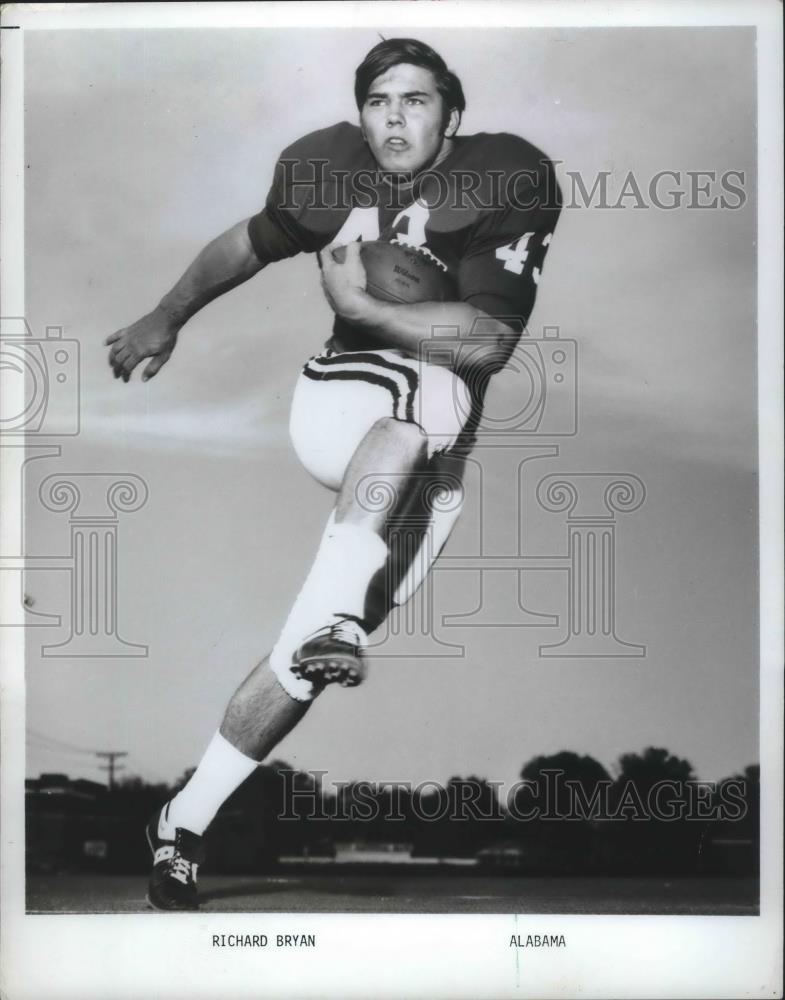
x,y
342,145
523,166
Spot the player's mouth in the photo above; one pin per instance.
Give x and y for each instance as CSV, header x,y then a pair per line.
x,y
395,142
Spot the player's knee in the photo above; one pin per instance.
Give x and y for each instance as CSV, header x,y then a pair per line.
x,y
408,434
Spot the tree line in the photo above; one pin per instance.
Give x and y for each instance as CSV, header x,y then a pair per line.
x,y
566,814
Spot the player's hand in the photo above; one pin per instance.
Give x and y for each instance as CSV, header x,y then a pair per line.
x,y
343,281
153,336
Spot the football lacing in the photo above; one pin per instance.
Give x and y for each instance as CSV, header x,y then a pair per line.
x,y
423,250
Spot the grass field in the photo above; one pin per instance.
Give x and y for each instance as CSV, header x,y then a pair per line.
x,y
388,892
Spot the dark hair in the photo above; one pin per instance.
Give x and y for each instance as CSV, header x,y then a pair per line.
x,y
393,52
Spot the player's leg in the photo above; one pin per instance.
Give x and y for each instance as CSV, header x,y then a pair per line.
x,y
416,536
389,457
258,716
260,713
388,467
267,705
383,465
327,626
270,702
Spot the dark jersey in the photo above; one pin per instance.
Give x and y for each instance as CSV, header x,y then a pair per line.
x,y
487,211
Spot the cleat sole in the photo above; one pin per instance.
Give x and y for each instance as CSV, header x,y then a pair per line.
x,y
345,672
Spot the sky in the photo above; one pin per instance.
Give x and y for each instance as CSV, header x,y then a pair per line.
x,y
141,146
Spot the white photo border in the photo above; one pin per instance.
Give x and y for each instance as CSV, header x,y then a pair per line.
x,y
133,956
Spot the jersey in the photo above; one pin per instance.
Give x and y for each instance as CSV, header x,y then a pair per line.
x,y
487,211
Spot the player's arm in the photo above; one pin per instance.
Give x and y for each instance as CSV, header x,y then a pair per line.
x,y
408,326
497,285
224,263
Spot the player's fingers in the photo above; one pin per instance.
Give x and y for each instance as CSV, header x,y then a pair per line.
x,y
117,345
118,357
333,255
328,294
122,354
128,360
353,263
155,366
113,337
114,364
351,252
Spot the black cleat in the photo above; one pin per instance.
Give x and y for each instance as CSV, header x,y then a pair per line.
x,y
333,655
172,883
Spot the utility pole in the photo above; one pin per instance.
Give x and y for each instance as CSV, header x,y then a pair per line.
x,y
111,767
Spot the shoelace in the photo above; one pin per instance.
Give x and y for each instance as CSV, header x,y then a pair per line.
x,y
347,631
181,869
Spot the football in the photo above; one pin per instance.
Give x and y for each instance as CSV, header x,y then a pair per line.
x,y
400,273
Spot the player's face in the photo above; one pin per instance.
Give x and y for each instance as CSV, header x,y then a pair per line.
x,y
403,119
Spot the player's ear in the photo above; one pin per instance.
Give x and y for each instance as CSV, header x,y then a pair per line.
x,y
453,121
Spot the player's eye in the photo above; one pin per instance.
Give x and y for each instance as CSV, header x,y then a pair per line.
x,y
415,100
376,102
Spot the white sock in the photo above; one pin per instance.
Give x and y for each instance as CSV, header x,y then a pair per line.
x,y
337,585
349,555
222,769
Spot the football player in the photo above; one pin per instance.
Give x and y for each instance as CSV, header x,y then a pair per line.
x,y
372,410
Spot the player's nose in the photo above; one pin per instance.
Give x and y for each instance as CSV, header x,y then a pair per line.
x,y
394,115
